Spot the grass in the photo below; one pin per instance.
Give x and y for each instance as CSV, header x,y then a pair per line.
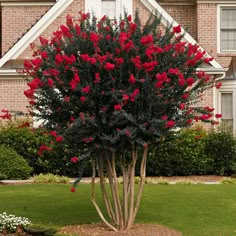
x,y
195,210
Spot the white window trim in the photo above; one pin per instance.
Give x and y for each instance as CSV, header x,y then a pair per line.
x,y
92,6
219,7
227,87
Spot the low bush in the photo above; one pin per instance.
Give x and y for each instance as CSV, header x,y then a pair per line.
x,y
194,152
51,178
13,166
220,146
181,153
18,135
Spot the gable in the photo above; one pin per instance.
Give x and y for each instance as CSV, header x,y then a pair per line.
x,y
57,14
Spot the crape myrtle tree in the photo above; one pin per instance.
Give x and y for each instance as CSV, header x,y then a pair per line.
x,y
113,89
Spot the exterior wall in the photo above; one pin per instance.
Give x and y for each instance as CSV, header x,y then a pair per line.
x,y
185,15
202,17
11,94
143,11
16,21
207,31
73,10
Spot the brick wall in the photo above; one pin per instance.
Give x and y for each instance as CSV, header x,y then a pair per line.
x,y
73,10
11,94
206,25
185,15
17,20
207,31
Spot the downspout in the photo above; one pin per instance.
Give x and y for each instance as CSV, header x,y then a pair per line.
x,y
219,77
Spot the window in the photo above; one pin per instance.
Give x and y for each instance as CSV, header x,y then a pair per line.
x,y
226,103
227,109
227,26
108,8
111,8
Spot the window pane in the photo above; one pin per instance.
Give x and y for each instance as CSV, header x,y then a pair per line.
x,y
228,40
227,105
228,19
109,8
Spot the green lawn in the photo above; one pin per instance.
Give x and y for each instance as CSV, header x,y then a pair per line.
x,y
195,210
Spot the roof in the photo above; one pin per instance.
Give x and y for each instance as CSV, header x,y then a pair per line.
x,y
35,31
61,5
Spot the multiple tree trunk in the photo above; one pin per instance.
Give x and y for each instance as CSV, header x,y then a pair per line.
x,y
121,205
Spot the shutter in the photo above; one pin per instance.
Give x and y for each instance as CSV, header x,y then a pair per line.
x,y
93,7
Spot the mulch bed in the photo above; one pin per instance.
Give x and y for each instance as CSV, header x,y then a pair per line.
x,y
137,230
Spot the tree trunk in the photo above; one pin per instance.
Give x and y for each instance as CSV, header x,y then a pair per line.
x,y
122,203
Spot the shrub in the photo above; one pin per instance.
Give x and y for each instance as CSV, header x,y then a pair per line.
x,y
2,176
13,165
221,148
51,178
17,134
180,153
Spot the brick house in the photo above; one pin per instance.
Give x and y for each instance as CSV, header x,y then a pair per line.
x,y
211,23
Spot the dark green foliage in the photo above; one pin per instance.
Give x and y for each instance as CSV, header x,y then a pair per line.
x,y
2,176
221,148
180,154
13,165
26,142
194,152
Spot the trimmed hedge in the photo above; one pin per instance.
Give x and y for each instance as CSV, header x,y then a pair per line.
x,y
194,152
26,142
13,166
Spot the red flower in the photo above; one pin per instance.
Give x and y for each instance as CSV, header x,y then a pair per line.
x,y
94,37
164,117
127,132
44,55
218,85
181,106
74,159
43,41
42,149
72,189
28,65
185,96
177,29
29,93
66,98
190,81
53,133
169,124
189,121
82,99
59,139
126,97
34,84
218,115
109,66
132,79
117,107
159,84
146,39
86,89
207,60
50,82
